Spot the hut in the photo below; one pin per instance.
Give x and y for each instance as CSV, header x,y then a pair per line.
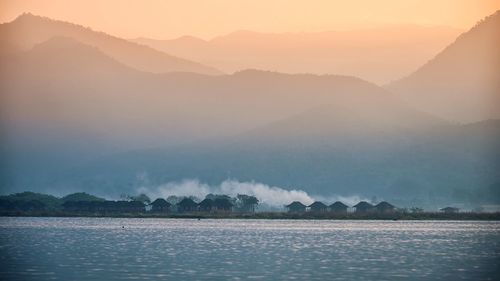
x,y
115,206
318,207
449,210
296,207
160,205
206,205
247,203
187,205
338,207
130,206
222,204
363,207
385,207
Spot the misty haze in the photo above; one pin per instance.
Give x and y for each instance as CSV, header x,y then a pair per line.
x,y
298,116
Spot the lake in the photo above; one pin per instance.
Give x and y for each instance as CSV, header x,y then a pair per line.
x,y
189,249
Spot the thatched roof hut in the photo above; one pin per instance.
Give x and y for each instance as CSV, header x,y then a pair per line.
x,y
160,205
338,207
296,207
363,207
318,206
222,204
385,207
187,205
206,205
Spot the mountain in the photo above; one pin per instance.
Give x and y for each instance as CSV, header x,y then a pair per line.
x,y
75,119
378,55
455,164
62,85
66,103
28,30
462,82
68,84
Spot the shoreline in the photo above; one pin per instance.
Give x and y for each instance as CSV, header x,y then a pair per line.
x,y
273,216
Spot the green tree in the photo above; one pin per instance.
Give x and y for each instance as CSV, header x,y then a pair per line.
x,y
81,196
246,203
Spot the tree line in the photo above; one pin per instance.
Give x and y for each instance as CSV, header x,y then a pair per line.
x,y
86,203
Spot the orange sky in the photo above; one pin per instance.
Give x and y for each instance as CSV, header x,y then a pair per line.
x,y
162,19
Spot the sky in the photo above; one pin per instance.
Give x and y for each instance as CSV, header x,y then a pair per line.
x,y
166,19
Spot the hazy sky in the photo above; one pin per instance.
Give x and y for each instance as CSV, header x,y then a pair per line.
x,y
162,19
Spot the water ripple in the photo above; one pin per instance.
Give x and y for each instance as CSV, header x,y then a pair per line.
x,y
159,249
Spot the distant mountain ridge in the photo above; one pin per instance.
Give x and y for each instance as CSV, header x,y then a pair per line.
x,y
27,30
377,55
453,164
68,100
87,81
323,134
74,117
462,83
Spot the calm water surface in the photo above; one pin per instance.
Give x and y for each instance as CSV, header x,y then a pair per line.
x,y
176,249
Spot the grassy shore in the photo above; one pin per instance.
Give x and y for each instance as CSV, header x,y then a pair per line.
x,y
272,215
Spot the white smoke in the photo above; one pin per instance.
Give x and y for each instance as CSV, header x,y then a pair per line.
x,y
183,188
348,200
268,195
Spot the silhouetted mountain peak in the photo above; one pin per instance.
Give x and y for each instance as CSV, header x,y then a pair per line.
x,y
461,82
192,39
487,30
493,19
28,16
28,21
28,30
62,55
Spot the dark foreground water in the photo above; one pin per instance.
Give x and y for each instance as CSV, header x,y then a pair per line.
x,y
175,249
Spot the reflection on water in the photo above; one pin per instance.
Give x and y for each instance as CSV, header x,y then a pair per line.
x,y
160,249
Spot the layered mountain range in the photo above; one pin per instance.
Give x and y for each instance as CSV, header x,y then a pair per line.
x,y
83,110
28,30
461,83
378,55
